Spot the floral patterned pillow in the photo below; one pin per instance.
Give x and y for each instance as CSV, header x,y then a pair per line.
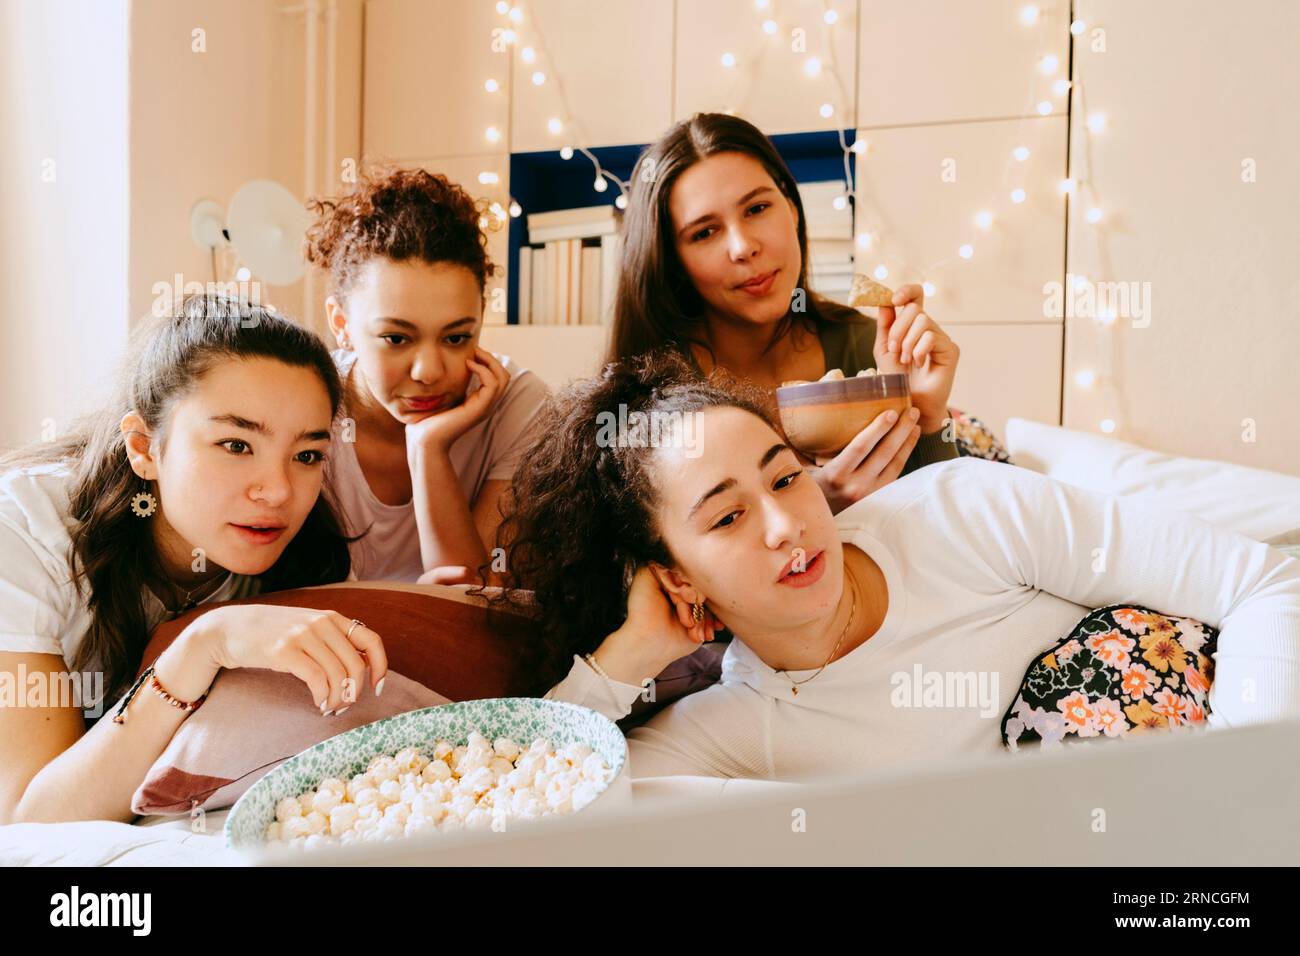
x,y
975,439
1122,670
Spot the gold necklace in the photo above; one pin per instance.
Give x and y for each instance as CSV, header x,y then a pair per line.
x,y
853,606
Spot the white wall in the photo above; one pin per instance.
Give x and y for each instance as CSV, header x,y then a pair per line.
x,y
1191,91
63,172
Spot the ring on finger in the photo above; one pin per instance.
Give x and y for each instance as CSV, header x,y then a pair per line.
x,y
355,625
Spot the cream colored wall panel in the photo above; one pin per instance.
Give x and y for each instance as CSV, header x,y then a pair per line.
x,y
1195,172
929,61
919,190
613,62
1009,371
558,354
465,171
769,85
425,68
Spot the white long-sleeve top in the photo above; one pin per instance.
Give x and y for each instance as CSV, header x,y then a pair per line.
x,y
987,567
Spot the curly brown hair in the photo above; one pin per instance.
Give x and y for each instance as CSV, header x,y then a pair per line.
x,y
583,515
398,213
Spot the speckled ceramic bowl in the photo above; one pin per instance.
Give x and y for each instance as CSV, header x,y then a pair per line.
x,y
522,719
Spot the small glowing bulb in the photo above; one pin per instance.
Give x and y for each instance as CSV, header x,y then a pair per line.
x,y
554,126
881,273
243,275
600,185
1106,316
1067,185
1044,108
728,60
566,152
1028,14
508,36
1021,153
762,4
769,27
1048,64
1107,425
1094,215
826,110
1017,196
497,210
488,178
493,134
516,14
966,251
812,66
1061,87
984,219
1080,283
927,288
502,7
539,78
621,201
528,54
1086,378
491,86
1077,27
864,240
830,16
516,210
482,222
859,146
840,202
1096,122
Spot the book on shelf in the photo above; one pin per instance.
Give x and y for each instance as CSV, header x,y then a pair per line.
x,y
525,284
569,281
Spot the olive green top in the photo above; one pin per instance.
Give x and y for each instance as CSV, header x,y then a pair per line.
x,y
847,338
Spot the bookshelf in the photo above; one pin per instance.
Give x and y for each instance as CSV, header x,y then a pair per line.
x,y
544,182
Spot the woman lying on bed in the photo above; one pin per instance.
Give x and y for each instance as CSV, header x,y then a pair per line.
x,y
201,482
964,566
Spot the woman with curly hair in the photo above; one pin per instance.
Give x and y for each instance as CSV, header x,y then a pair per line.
x,y
434,425
659,507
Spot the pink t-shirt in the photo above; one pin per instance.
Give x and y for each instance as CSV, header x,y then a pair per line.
x,y
390,550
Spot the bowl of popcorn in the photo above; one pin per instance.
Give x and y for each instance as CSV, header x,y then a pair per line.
x,y
474,765
820,418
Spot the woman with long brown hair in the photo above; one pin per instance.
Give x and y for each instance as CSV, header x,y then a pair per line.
x,y
200,482
715,256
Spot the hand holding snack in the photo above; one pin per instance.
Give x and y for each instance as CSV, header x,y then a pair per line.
x,y
908,340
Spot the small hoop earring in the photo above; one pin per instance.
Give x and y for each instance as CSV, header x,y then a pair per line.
x,y
144,504
697,612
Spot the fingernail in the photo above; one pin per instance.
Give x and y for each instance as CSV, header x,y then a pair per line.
x,y
891,416
379,688
341,711
322,704
328,713
914,413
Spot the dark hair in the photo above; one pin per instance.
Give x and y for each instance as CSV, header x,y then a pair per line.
x,y
657,304
398,214
583,516
113,553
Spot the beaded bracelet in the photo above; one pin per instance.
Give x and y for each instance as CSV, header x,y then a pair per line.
x,y
156,686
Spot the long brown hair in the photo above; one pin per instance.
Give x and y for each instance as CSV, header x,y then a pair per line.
x,y
657,304
583,519
113,554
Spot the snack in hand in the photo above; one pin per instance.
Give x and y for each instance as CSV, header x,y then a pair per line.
x,y
866,291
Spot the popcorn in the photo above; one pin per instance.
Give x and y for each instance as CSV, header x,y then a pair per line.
x,y
478,785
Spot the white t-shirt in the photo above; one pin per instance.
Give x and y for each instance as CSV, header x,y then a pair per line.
x,y
489,451
987,566
42,611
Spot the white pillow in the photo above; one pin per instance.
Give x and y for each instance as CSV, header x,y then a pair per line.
x,y
1264,505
